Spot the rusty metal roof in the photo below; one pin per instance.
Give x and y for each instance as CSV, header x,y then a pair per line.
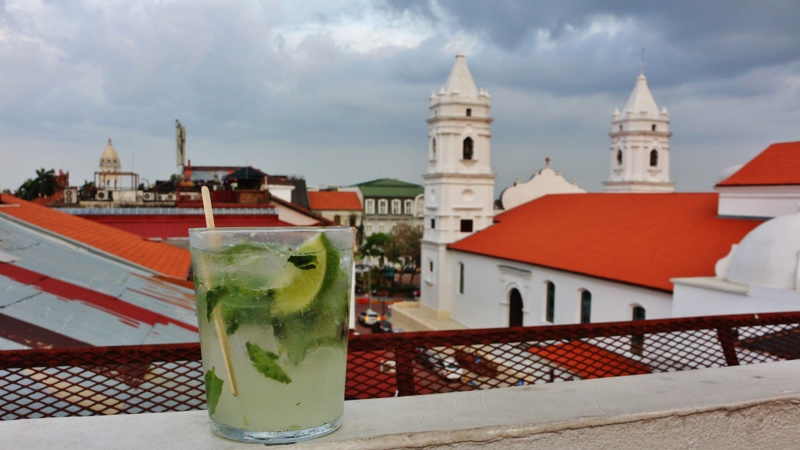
x,y
54,293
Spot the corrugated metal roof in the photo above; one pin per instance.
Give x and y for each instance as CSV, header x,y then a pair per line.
x,y
56,294
127,247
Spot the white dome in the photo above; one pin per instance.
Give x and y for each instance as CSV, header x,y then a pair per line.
x,y
109,160
768,255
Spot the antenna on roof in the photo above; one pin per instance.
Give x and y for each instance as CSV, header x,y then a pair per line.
x,y
641,64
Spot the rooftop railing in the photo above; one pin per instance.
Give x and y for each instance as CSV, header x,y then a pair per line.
x,y
160,378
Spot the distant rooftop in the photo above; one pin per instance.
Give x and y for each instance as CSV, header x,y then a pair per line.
x,y
390,188
334,200
639,239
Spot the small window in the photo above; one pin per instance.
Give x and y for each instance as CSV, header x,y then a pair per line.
x,y
408,207
653,128
396,207
430,266
382,228
619,157
460,278
466,225
550,309
433,148
383,206
420,207
620,128
368,229
433,224
369,206
586,306
654,158
469,112
467,148
337,219
637,340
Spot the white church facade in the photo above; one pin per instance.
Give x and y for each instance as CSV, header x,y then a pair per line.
x,y
573,257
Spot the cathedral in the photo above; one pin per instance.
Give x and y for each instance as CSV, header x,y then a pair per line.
x,y
575,257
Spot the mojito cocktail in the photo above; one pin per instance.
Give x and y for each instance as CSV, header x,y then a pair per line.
x,y
273,310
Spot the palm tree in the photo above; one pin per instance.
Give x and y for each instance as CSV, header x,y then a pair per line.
x,y
44,185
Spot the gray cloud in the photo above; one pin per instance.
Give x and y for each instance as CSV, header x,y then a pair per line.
x,y
307,89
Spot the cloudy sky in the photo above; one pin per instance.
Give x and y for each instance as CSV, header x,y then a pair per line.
x,y
337,91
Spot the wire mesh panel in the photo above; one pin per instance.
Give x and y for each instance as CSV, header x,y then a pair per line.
x,y
100,380
158,378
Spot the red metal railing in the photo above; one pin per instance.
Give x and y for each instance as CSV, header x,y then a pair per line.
x,y
157,378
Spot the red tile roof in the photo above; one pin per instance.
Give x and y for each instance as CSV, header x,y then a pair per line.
x,y
589,361
161,258
779,164
639,239
177,226
333,200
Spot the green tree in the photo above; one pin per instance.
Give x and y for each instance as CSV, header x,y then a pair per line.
x,y
44,185
377,245
88,190
406,247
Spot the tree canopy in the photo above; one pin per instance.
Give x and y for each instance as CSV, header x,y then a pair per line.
x,y
44,185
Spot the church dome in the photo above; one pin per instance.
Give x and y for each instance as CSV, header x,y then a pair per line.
x,y
768,255
109,160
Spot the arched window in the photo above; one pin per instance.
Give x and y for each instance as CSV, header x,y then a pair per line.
x,y
468,148
653,158
514,308
460,278
637,340
469,112
619,157
550,307
586,306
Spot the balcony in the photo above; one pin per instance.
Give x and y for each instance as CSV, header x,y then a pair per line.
x,y
667,403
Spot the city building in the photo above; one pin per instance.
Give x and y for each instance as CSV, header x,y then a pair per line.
x,y
597,257
339,206
388,202
639,154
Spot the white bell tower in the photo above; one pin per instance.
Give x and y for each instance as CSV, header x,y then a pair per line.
x,y
459,183
640,145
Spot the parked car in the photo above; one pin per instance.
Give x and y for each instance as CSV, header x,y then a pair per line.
x,y
441,364
368,317
382,326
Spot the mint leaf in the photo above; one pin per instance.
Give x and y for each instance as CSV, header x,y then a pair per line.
x,y
264,362
212,298
213,390
304,262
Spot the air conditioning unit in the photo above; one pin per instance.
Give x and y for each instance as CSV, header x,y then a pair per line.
x,y
148,196
71,195
103,195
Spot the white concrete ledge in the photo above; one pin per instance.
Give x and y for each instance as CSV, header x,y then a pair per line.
x,y
755,406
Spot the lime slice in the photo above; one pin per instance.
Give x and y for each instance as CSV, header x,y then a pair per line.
x,y
302,277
